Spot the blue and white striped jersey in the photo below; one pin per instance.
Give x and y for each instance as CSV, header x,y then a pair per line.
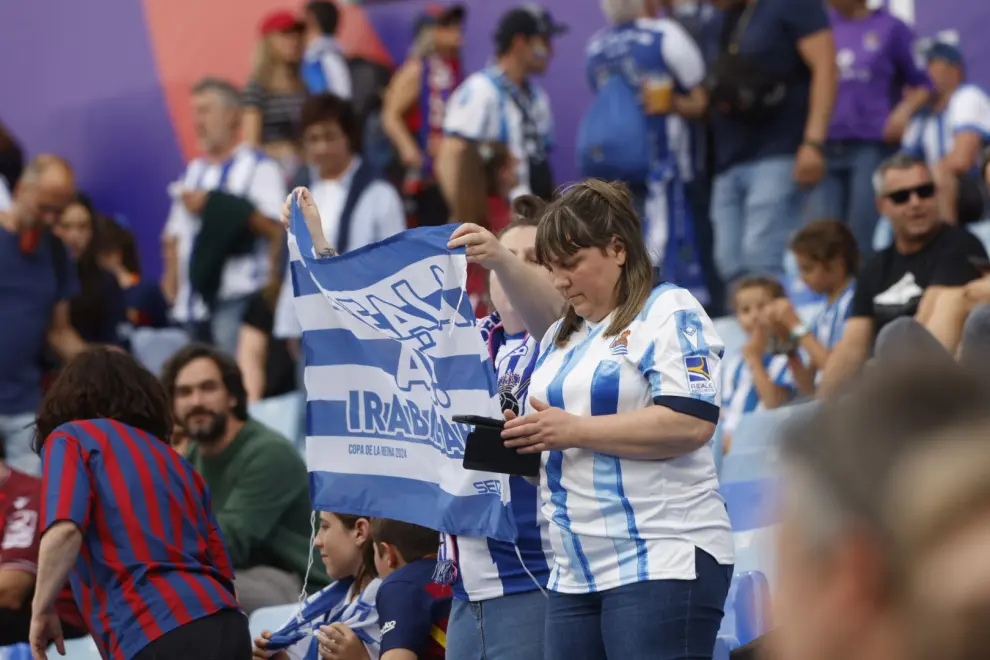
x,y
250,174
616,521
359,614
827,326
488,568
739,395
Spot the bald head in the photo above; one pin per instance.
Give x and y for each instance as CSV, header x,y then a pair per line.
x,y
46,187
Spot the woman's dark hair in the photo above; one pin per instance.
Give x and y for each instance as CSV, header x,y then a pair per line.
x,y
103,383
329,108
109,236
478,179
230,373
368,571
527,211
824,240
596,214
326,15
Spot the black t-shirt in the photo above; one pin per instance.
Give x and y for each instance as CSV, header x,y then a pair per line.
x,y
891,284
280,369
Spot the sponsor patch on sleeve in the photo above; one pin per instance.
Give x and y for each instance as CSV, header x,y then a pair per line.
x,y
699,375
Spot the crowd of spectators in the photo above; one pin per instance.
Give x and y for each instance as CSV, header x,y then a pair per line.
x,y
802,153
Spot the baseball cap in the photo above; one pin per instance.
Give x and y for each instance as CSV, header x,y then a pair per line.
x,y
280,21
526,21
440,15
945,52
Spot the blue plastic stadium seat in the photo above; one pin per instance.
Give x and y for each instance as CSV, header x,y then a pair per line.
x,y
281,413
152,347
748,465
747,608
756,550
751,504
271,618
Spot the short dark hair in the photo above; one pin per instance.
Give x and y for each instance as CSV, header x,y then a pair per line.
x,y
230,373
104,383
527,211
326,15
824,240
413,542
330,108
769,284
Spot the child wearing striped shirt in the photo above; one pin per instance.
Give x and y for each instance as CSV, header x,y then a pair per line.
x,y
827,259
765,374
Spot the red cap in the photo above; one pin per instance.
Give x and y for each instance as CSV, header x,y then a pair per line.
x,y
280,21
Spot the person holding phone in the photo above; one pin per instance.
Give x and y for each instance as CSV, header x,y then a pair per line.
x,y
623,403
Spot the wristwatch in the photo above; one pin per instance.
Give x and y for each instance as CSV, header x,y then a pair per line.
x,y
327,252
799,332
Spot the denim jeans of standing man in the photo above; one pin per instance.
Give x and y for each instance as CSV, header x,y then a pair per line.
x,y
846,193
506,628
654,620
18,434
755,209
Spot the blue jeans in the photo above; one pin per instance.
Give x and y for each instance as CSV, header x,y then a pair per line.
x,y
506,628
754,211
225,323
18,433
846,193
655,620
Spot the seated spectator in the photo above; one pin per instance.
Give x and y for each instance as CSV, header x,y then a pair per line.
x,y
412,608
117,254
484,181
357,207
949,133
880,89
20,508
222,224
348,553
827,259
780,52
257,479
266,361
765,375
324,64
98,311
415,102
275,92
38,282
928,259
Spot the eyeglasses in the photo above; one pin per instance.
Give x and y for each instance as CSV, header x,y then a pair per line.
x,y
924,191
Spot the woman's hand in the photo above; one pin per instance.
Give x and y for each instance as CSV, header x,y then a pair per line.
x,y
547,429
261,646
314,223
338,642
480,245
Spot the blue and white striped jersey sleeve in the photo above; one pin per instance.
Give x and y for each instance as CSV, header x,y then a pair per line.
x,y
679,353
473,110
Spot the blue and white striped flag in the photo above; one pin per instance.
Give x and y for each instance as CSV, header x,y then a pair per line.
x,y
391,354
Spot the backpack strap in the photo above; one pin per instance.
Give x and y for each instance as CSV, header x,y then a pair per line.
x,y
363,178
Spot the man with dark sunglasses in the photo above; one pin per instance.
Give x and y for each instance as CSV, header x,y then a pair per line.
x,y
926,268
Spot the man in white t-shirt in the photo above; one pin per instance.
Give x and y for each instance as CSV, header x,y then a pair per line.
x,y
233,169
356,206
502,104
950,133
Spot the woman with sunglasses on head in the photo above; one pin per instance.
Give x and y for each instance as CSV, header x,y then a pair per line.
x,y
623,403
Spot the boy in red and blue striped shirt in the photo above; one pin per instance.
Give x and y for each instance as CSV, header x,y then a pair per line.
x,y
412,609
150,555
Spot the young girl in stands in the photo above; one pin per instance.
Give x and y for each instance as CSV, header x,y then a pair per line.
x,y
827,258
766,372
117,254
487,174
340,621
413,609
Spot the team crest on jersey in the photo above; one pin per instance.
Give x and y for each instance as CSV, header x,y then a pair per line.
x,y
620,345
699,375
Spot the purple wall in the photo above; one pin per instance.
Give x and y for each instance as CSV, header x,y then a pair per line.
x,y
80,79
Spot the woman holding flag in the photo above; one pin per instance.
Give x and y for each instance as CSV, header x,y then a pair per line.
x,y
499,607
